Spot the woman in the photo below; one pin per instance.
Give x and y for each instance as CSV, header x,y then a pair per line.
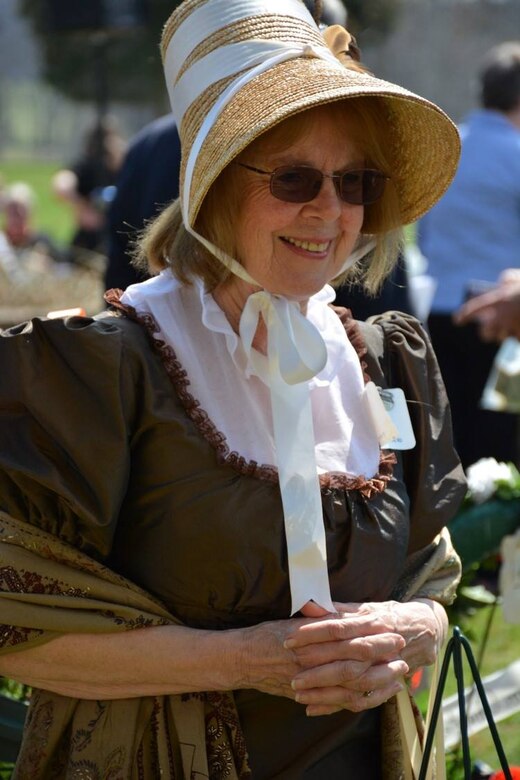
x,y
209,467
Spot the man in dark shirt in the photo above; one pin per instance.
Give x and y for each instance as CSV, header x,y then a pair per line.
x,y
148,181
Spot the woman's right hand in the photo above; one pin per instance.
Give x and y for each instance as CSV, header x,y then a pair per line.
x,y
360,665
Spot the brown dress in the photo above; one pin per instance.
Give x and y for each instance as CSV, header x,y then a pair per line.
x,y
103,444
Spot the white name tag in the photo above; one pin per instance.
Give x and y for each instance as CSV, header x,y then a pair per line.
x,y
396,407
381,420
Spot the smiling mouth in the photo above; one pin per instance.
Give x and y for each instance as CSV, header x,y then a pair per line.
x,y
309,246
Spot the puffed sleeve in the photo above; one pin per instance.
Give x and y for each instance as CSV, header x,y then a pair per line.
x,y
69,399
435,480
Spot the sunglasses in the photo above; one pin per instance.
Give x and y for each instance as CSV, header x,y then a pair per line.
x,y
301,183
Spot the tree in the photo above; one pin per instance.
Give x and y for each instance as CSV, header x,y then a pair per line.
x,y
127,65
130,59
371,20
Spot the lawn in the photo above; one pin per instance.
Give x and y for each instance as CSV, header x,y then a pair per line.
x,y
503,647
51,215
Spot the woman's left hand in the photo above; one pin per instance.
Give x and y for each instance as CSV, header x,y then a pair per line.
x,y
319,645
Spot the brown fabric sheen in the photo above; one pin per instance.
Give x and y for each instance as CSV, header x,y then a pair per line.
x,y
98,449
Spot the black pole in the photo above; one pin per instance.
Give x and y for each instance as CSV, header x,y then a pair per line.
x,y
436,709
459,674
456,642
485,706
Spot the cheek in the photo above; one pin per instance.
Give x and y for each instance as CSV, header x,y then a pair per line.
x,y
352,220
261,215
252,207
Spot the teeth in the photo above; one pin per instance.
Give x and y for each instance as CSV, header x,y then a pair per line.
x,y
310,246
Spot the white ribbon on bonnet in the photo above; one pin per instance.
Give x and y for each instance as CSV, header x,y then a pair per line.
x,y
295,349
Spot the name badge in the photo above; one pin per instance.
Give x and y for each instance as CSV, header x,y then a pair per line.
x,y
396,407
381,420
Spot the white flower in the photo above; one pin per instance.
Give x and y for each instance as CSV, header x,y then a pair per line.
x,y
483,477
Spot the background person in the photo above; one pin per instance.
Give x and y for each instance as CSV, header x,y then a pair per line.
x,y
22,246
496,312
245,552
88,187
147,182
473,233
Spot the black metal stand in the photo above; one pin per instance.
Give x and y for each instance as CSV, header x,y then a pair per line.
x,y
454,648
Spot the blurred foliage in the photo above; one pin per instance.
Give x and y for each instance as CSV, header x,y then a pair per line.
x,y
372,21
129,61
14,690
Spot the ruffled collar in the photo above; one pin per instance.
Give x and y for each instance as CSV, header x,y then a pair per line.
x,y
318,312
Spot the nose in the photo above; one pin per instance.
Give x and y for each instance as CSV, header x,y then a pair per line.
x,y
327,205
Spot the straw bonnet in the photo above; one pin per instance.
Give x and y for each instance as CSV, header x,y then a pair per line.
x,y
236,68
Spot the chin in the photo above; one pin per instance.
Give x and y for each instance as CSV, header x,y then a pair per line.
x,y
298,296
296,287
302,292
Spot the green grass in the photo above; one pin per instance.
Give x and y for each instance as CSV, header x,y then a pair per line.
x,y
502,649
51,215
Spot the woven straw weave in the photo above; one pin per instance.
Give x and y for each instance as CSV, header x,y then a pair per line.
x,y
424,142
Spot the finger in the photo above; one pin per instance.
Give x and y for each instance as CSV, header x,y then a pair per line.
x,y
314,710
509,276
311,609
475,308
370,649
338,629
354,675
488,332
354,701
330,674
356,608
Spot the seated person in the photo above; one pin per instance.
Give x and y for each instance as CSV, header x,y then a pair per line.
x,y
21,244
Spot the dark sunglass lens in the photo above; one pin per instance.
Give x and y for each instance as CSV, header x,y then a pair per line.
x,y
295,184
351,184
373,186
362,187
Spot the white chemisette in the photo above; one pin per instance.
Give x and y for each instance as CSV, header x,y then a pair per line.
x,y
237,401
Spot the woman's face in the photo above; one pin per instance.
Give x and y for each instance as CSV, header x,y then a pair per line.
x,y
294,249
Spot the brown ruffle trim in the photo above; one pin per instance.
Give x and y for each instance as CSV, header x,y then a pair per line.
x,y
354,335
250,468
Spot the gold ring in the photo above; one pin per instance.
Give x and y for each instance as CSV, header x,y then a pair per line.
x,y
367,694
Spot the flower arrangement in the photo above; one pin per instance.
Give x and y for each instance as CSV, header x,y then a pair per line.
x,y
489,511
488,478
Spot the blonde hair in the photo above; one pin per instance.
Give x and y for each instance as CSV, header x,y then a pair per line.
x,y
166,242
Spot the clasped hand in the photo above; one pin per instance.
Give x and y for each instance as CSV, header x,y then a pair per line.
x,y
355,659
